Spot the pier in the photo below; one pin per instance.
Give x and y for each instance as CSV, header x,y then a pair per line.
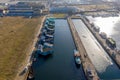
x,y
84,57
111,55
112,52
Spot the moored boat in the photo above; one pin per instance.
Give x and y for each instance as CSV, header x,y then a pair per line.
x,y
77,57
45,43
46,53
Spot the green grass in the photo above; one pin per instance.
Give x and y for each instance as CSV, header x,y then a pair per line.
x,y
16,34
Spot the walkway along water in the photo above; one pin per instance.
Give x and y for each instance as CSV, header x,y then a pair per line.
x,y
114,53
105,67
87,64
60,65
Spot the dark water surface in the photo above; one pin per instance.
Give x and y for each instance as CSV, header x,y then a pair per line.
x,y
61,65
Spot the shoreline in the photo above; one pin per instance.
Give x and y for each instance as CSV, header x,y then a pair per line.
x,y
110,52
85,59
29,53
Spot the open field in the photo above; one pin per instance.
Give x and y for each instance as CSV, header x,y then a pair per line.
x,y
59,15
16,35
94,7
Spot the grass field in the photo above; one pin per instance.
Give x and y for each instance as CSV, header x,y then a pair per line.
x,y
59,15
16,33
91,7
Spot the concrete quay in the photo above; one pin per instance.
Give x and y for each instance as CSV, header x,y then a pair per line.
x,y
114,54
83,54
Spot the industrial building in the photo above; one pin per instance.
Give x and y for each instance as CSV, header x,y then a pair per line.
x,y
24,9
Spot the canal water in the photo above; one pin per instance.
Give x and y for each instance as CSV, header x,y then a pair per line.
x,y
61,65
109,25
106,68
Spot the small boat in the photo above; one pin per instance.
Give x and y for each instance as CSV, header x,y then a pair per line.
x,y
50,28
77,60
77,57
76,53
48,35
47,53
30,74
103,35
40,48
48,45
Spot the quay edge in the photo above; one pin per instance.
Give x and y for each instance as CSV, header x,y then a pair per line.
x,y
110,52
84,58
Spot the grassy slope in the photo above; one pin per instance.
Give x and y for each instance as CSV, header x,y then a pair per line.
x,y
16,34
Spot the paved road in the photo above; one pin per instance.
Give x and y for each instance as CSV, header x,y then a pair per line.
x,y
102,62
